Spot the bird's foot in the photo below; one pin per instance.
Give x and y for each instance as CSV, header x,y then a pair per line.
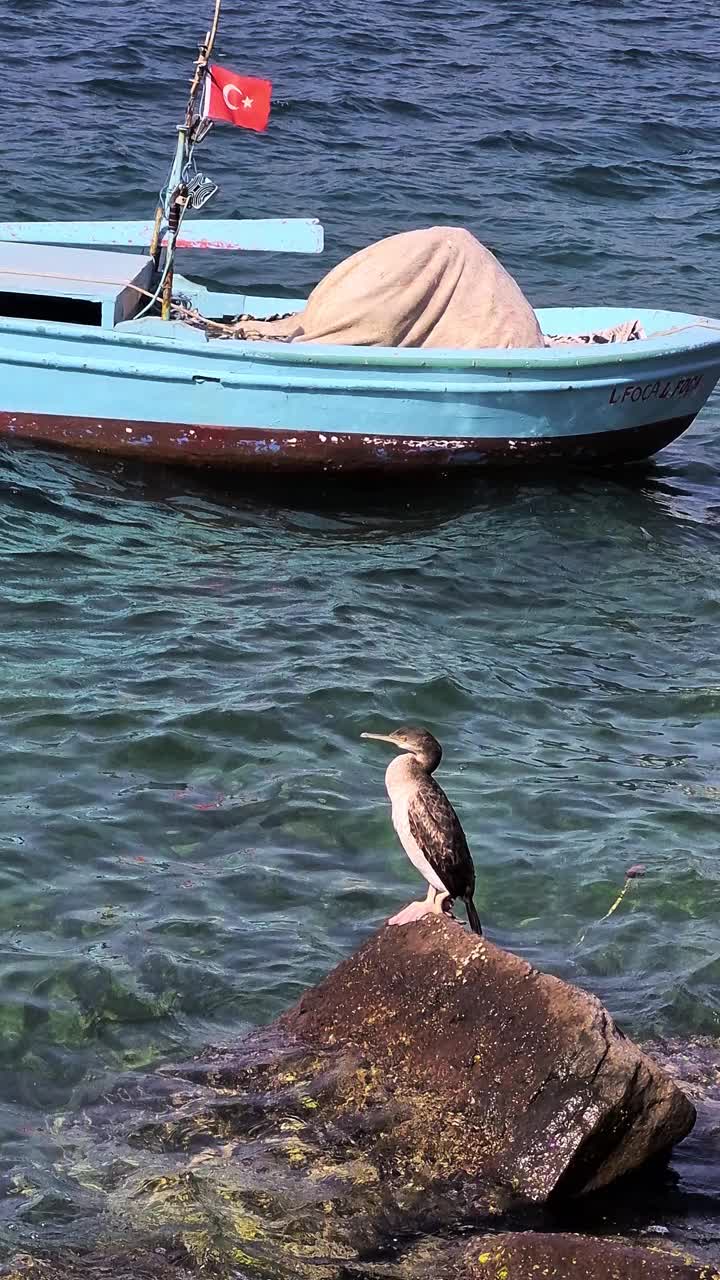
x,y
416,910
413,911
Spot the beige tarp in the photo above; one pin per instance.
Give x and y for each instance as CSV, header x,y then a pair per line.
x,y
433,288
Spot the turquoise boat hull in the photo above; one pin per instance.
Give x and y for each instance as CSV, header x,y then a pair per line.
x,y
166,392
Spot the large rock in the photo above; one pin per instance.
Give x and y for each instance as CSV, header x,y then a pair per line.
x,y
493,1071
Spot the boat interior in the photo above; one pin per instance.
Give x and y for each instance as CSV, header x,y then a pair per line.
x,y
106,288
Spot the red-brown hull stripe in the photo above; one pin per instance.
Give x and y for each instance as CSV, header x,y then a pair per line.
x,y
264,449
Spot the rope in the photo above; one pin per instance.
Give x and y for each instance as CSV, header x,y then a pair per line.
x,y
700,323
235,330
632,874
55,275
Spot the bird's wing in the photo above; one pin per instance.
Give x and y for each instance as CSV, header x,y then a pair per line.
x,y
436,828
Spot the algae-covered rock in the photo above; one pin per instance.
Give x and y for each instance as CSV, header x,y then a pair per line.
x,y
432,1082
492,1071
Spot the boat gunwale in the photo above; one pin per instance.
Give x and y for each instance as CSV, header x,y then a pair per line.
x,y
697,332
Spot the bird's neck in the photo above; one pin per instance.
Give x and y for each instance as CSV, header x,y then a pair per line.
x,y
429,759
409,766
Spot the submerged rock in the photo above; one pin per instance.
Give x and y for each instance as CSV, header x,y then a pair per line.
x,y
693,1063
561,1257
131,1264
530,1255
519,1255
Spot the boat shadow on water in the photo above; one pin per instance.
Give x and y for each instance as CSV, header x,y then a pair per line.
x,y
434,496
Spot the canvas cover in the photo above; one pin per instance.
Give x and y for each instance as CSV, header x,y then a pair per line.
x,y
433,288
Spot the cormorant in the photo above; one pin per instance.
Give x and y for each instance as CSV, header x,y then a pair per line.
x,y
426,823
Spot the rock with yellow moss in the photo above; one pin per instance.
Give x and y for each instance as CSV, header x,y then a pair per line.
x,y
534,1256
486,1070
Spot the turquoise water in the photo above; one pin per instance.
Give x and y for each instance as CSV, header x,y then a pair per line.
x,y
192,829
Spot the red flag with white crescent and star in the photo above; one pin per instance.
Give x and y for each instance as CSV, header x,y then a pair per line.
x,y
240,100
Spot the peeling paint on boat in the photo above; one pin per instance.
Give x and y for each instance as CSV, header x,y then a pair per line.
x,y
253,448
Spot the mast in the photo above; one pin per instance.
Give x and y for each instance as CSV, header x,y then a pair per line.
x,y
174,196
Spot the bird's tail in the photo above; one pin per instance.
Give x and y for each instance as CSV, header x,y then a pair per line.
x,y
472,915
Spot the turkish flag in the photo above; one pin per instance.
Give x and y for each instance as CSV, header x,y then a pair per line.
x,y
237,99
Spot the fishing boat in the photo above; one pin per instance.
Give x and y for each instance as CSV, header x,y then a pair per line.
x,y
105,347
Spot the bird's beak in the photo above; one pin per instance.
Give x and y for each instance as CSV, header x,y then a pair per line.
x,y
379,737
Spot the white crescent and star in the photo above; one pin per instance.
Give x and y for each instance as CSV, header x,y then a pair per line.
x,y
234,88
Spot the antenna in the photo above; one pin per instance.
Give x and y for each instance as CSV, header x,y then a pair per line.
x,y
175,197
